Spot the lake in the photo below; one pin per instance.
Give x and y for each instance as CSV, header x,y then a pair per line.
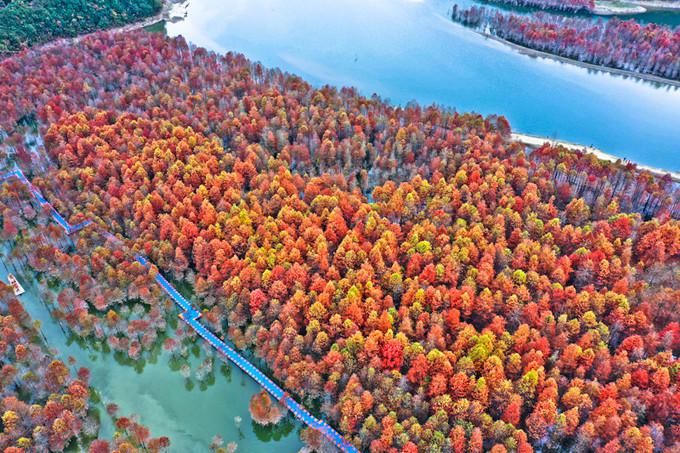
x,y
409,50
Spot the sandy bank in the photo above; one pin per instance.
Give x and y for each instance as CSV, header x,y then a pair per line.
x,y
611,9
536,141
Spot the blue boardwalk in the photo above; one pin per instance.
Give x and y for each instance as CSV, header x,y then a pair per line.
x,y
191,315
69,229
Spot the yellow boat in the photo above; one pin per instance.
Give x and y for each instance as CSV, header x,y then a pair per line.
x,y
16,286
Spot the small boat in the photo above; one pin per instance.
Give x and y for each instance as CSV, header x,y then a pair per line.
x,y
16,286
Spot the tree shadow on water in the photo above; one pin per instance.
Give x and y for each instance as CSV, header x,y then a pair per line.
x,y
275,432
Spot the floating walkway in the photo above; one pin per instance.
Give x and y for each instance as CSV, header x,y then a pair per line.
x,y
68,228
190,315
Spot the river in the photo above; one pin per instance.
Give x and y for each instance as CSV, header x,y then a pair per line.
x,y
188,412
408,50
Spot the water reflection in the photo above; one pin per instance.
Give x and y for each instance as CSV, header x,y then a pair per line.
x,y
187,410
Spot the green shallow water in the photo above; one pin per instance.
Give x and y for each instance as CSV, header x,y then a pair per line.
x,y
188,412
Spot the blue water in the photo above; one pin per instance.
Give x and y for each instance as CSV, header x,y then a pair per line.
x,y
409,50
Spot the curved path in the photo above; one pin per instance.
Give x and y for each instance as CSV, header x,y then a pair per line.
x,y
191,315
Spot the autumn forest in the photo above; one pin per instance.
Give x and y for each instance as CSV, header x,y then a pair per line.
x,y
412,275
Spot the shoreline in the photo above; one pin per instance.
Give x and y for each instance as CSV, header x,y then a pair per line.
x,y
536,141
539,53
604,9
527,139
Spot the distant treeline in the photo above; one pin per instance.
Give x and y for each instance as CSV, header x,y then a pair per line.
x,y
627,45
24,23
557,5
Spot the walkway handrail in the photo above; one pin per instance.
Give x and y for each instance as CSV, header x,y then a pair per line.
x,y
190,316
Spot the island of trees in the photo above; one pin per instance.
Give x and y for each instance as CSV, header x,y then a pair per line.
x,y
626,45
572,6
425,281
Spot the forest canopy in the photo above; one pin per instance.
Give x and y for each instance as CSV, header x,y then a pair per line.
x,y
627,45
25,23
427,282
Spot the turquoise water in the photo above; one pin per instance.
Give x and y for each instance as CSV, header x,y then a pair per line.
x,y
190,413
409,50
670,18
